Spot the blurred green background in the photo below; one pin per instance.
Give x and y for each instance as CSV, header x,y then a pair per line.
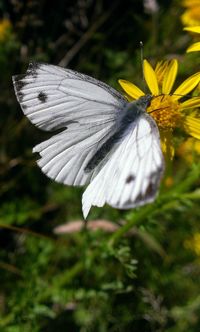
x,y
136,270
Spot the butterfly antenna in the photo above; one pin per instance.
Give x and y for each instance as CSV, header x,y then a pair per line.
x,y
142,61
187,96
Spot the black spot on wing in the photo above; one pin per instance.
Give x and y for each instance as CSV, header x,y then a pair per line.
x,y
42,96
150,191
130,178
152,187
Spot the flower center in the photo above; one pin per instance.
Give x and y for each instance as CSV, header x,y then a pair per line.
x,y
165,111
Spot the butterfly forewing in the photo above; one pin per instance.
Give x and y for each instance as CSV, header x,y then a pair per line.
x,y
53,97
87,109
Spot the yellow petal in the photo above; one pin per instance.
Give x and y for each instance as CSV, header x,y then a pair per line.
x,y
160,71
170,77
167,144
131,89
192,126
187,86
190,103
190,3
193,29
150,78
160,65
194,47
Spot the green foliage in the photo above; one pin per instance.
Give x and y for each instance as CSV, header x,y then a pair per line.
x,y
19,212
139,276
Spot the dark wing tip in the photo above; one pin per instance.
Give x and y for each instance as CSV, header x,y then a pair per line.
x,y
33,69
18,82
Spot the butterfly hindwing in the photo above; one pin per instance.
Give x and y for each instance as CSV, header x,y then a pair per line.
x,y
132,175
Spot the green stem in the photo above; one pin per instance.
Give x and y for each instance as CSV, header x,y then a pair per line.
x,y
139,217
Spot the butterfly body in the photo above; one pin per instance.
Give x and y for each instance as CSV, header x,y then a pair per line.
x,y
105,142
129,115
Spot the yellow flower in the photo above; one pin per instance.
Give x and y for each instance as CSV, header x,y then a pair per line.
x,y
196,46
5,28
193,243
167,108
191,16
189,149
169,181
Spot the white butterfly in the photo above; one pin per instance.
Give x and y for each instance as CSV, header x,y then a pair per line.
x,y
106,142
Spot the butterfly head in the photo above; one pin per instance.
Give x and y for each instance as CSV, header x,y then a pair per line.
x,y
145,101
139,106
